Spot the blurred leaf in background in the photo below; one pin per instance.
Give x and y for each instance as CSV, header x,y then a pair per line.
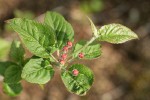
x,y
24,14
89,6
20,14
4,49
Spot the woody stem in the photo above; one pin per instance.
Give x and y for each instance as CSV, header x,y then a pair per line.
x,y
54,58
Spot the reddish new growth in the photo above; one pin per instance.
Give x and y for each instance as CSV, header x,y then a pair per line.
x,y
75,72
81,55
64,56
62,62
65,51
69,44
65,48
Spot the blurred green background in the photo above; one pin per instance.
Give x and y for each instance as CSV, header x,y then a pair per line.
x,y
123,70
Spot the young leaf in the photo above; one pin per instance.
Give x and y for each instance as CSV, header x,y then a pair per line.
x,y
116,33
17,51
93,27
4,66
12,74
91,51
64,31
37,37
81,83
12,89
37,70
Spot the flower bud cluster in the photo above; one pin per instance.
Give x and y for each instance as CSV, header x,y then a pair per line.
x,y
65,52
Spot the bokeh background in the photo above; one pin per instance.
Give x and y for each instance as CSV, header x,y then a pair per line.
x,y
123,70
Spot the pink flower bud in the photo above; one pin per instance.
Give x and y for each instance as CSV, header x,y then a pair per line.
x,y
64,56
80,55
75,72
65,48
62,62
69,44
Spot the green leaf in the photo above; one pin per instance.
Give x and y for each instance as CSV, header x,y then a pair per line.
x,y
4,49
91,51
64,31
37,70
17,51
37,37
13,74
12,89
4,66
78,84
116,33
93,27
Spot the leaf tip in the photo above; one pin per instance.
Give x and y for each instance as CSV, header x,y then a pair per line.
x,y
7,21
135,36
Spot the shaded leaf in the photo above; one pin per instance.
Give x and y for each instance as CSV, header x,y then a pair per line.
x,y
12,89
17,51
13,74
4,66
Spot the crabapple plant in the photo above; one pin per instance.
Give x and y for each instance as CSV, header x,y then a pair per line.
x,y
55,36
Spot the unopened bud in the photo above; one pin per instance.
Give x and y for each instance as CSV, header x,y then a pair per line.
x,y
65,48
62,62
81,55
64,56
69,44
75,72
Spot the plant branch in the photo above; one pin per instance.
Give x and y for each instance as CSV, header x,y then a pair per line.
x,y
78,51
58,53
53,58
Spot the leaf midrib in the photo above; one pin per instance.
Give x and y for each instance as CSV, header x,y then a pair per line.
x,y
112,36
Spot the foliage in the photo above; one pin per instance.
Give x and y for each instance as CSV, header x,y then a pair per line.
x,y
55,35
91,6
20,14
4,49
